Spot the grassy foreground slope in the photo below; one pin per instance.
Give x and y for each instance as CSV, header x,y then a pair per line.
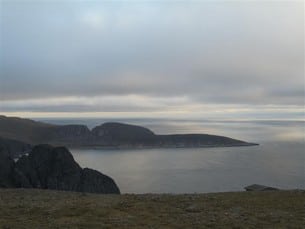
x,y
55,209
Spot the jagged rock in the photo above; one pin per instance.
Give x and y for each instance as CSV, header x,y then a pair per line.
x,y
258,187
48,167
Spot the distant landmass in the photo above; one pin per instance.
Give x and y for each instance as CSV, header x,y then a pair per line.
x,y
107,135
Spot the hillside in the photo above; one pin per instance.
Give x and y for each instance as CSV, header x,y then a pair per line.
x,y
114,135
54,209
24,130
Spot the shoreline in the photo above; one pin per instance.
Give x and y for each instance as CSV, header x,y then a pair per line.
x,y
97,147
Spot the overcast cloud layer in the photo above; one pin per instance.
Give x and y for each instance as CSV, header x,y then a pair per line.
x,y
156,56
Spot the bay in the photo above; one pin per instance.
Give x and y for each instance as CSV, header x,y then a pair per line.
x,y
278,161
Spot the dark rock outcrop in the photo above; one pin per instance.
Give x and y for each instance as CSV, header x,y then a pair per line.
x,y
94,181
6,170
48,167
258,187
14,148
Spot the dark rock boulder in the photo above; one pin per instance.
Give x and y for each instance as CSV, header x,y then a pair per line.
x,y
48,167
258,187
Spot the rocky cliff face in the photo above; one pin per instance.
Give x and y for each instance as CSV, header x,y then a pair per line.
x,y
119,134
48,167
14,148
6,170
70,135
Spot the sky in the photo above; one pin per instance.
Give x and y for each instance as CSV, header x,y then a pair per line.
x,y
152,59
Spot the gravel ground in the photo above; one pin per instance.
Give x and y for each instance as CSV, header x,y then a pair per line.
x,y
26,208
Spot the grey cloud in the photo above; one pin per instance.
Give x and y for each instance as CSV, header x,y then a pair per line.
x,y
76,108
224,52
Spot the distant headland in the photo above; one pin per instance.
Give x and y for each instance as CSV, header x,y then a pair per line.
x,y
108,135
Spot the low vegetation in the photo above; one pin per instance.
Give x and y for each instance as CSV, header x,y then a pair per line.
x,y
28,208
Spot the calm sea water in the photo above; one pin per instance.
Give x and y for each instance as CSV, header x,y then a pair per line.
x,y
278,161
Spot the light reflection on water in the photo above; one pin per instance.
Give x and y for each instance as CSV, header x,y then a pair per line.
x,y
277,161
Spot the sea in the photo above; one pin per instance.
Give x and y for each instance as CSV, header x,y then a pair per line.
x,y
278,160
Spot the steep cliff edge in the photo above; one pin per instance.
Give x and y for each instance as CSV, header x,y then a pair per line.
x,y
48,167
119,134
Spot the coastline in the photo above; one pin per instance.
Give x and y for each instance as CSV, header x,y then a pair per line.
x,y
98,147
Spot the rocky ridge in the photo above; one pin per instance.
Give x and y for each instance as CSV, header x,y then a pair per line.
x,y
47,167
